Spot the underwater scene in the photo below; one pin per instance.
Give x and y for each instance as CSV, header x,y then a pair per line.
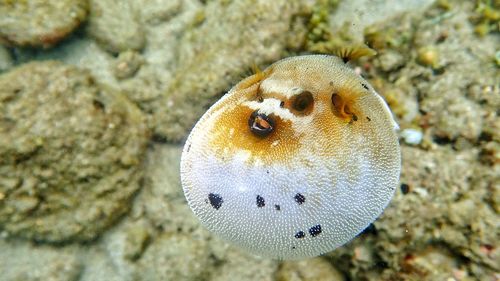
x,y
307,140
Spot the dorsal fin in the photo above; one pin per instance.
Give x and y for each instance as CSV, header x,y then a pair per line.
x,y
352,52
256,69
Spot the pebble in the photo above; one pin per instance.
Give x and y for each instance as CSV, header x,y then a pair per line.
x,y
412,136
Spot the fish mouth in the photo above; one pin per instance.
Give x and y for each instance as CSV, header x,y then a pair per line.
x,y
261,124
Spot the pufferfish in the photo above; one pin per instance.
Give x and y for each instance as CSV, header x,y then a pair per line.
x,y
294,161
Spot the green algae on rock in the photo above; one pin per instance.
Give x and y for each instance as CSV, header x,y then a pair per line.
x,y
70,153
39,23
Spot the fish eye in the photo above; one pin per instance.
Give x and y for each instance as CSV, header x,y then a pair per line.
x,y
303,102
261,124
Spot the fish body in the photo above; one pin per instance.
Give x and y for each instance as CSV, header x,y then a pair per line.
x,y
294,161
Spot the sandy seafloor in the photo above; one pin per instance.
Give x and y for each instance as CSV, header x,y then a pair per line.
x,y
97,97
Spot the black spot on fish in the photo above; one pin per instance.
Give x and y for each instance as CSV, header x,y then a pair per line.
x,y
300,235
299,198
260,201
277,207
364,86
315,230
215,200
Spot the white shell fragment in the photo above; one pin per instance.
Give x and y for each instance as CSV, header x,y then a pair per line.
x,y
294,161
412,136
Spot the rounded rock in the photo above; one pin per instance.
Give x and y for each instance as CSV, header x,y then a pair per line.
x,y
115,25
70,153
174,257
39,23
